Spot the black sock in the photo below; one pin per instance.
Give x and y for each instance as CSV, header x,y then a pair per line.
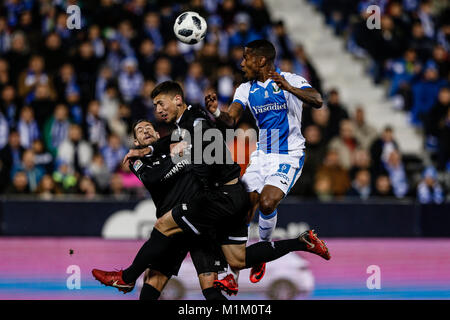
x,y
153,249
264,251
149,292
213,294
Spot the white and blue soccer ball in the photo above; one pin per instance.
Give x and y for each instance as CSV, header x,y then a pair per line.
x,y
190,27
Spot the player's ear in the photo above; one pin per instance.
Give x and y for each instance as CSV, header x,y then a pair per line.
x,y
178,101
262,61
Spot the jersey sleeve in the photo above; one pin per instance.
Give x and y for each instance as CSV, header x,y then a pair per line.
x,y
296,80
241,94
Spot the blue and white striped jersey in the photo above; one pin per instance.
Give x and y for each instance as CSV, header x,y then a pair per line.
x,y
277,112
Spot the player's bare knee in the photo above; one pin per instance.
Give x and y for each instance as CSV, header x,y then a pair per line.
x,y
236,263
267,205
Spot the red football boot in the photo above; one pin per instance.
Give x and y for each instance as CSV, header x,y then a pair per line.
x,y
112,279
314,244
227,284
257,272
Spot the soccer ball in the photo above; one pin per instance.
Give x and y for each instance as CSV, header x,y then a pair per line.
x,y
190,27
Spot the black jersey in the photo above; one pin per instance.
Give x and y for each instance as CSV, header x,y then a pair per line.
x,y
169,183
212,174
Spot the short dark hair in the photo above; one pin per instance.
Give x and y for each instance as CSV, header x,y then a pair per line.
x,y
137,122
170,87
263,48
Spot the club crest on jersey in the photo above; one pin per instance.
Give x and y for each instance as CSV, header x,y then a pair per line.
x,y
266,94
137,165
276,88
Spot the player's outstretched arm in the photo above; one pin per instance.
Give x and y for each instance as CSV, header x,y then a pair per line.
x,y
228,118
309,96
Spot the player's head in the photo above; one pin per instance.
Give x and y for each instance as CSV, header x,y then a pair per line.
x,y
168,99
258,54
144,133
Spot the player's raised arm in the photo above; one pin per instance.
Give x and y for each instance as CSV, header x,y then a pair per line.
x,y
309,96
229,117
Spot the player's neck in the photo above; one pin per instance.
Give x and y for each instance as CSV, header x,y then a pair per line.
x,y
181,111
264,75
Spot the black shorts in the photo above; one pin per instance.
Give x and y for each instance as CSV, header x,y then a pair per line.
x,y
206,256
219,213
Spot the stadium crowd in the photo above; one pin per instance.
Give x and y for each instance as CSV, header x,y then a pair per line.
x,y
68,98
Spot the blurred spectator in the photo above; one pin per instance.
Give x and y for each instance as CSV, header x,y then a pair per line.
x,y
422,44
332,168
4,130
35,74
10,105
53,52
74,151
381,148
34,173
280,39
429,190
435,119
27,127
163,70
121,123
96,129
304,67
397,174
441,59
260,16
425,93
244,32
209,60
99,172
321,118
110,101
147,57
345,144
225,89
364,133
5,36
178,63
47,188
152,29
116,188
338,112
323,188
130,79
86,188
18,56
142,105
86,65
383,187
195,84
113,152
19,184
42,158
42,104
56,128
10,156
65,178
360,161
218,36
403,71
66,81
361,185
315,153
105,77
94,35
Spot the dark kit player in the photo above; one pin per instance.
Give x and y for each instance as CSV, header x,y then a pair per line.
x,y
169,185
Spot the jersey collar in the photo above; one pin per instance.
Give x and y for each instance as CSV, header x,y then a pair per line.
x,y
266,83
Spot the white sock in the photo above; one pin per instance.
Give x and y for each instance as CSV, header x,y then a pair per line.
x,y
267,225
235,273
